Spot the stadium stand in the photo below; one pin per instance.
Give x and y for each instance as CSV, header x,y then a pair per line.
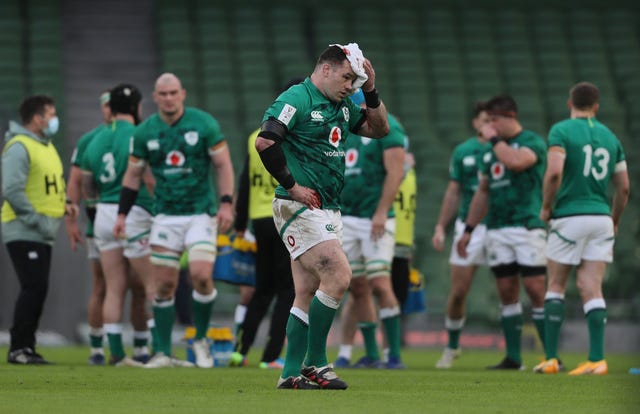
x,y
433,62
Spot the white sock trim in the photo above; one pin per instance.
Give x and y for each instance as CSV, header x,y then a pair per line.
x,y
345,351
597,303
386,313
553,296
511,310
327,300
201,298
239,314
140,334
151,323
300,314
537,314
96,331
113,328
164,303
453,324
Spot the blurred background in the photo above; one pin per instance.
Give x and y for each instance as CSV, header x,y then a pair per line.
x,y
432,60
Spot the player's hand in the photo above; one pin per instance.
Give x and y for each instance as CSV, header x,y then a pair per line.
x,y
71,210
119,229
370,84
488,131
378,222
306,196
73,232
545,214
224,217
437,241
461,247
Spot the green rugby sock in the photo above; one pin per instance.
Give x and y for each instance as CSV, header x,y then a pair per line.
x,y
201,306
95,337
320,320
454,338
553,318
512,330
392,329
368,330
164,315
297,340
596,320
115,345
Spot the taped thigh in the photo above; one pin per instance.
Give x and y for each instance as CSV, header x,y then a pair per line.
x,y
167,259
202,252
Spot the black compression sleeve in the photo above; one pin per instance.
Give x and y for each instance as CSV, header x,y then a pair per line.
x,y
91,213
242,202
275,162
127,200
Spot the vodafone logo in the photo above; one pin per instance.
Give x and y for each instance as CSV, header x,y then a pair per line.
x,y
335,136
351,158
497,170
175,159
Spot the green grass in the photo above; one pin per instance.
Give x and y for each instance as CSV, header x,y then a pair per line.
x,y
71,386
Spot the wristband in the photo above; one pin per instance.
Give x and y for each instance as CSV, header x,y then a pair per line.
x,y
371,98
469,228
226,199
494,140
127,200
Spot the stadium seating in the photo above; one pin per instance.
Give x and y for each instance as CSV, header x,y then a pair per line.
x,y
432,64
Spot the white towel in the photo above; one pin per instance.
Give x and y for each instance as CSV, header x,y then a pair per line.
x,y
356,59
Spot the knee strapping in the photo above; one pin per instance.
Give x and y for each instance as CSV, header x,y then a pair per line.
x,y
378,268
202,252
167,259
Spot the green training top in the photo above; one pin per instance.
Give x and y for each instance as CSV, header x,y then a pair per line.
x,y
593,155
107,157
515,198
365,173
463,168
314,142
179,158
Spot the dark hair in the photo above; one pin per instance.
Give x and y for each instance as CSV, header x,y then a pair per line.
x,y
479,107
503,105
34,105
584,95
332,55
125,99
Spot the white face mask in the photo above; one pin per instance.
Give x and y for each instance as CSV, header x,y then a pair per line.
x,y
52,128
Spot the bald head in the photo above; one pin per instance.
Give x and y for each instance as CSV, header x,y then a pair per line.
x,y
169,95
168,79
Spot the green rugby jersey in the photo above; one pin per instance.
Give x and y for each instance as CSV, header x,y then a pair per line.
x,y
463,168
515,198
593,155
179,158
364,170
78,154
314,142
107,157
84,141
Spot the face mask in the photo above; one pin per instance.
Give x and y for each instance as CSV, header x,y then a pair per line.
x,y
52,128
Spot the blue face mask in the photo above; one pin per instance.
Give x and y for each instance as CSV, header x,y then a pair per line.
x,y
52,128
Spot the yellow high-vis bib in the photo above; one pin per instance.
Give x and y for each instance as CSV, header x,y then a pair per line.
x,y
45,187
261,184
405,209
